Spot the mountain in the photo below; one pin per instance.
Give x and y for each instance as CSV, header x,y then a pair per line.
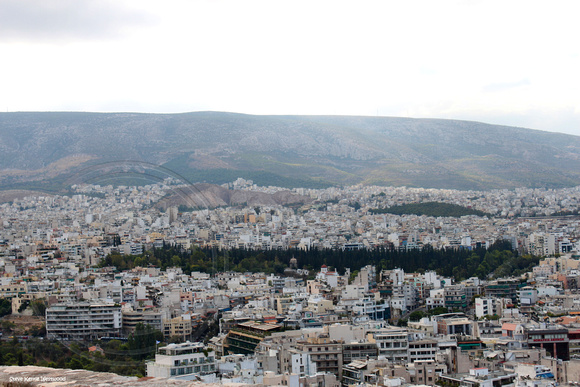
x,y
48,151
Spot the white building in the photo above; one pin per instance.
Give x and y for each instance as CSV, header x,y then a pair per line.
x,y
487,307
369,306
184,361
393,344
528,296
422,350
302,363
83,321
435,299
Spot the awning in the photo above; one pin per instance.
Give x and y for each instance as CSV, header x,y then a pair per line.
x,y
546,375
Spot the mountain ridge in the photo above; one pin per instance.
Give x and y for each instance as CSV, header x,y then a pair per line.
x,y
42,149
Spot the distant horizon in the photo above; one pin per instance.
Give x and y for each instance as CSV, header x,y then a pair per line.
x,y
418,59
291,115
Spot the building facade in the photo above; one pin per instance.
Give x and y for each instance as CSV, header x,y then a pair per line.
x,y
83,321
184,361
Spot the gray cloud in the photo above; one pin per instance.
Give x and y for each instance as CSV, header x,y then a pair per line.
x,y
67,20
494,87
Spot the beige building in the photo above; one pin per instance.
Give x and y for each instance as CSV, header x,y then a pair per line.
x,y
326,353
179,326
13,290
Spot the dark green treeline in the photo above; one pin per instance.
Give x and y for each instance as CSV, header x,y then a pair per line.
x,y
498,261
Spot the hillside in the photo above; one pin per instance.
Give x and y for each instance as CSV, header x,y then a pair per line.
x,y
429,209
210,195
47,151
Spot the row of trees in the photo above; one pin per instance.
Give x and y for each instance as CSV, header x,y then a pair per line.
x,y
430,209
497,261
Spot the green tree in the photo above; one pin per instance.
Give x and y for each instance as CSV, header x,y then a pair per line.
x,y
5,307
438,310
7,326
10,359
139,262
75,363
417,315
175,261
38,307
142,343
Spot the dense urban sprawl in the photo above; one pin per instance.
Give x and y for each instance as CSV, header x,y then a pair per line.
x,y
303,327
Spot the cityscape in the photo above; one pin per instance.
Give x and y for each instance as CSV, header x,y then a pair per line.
x,y
293,193
77,271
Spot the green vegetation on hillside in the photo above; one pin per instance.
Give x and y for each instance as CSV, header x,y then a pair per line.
x,y
429,209
113,356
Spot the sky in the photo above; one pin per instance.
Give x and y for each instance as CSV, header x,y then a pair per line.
x,y
500,62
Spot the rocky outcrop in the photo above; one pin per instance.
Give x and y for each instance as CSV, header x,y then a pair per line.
x,y
25,376
211,196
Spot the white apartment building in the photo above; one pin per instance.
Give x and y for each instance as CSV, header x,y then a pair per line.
x,y
393,344
83,321
490,305
528,296
435,299
369,306
302,363
424,349
184,361
487,307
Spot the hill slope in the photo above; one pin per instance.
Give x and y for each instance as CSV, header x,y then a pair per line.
x,y
49,150
209,195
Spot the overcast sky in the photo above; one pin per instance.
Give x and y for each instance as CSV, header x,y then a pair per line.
x,y
502,62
